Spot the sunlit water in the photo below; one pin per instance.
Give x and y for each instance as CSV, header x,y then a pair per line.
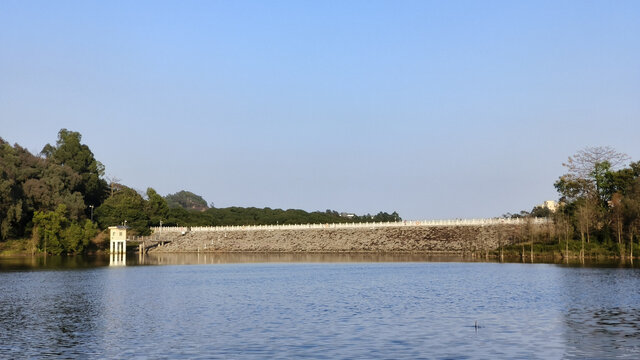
x,y
316,306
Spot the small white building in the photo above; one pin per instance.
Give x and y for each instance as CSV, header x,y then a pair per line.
x,y
551,205
118,239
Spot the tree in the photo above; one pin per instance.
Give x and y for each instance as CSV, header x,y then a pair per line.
x,y
157,208
583,163
186,200
593,190
588,173
617,215
127,205
70,152
51,225
58,235
12,206
562,221
53,186
631,209
541,212
76,236
586,213
114,184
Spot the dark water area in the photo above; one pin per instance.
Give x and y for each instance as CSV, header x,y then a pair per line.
x,y
321,306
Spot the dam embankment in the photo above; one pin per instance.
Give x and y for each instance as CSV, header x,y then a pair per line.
x,y
451,238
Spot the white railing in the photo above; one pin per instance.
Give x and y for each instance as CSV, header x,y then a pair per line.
x,y
408,223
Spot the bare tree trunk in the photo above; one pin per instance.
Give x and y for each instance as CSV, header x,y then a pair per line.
x,y
582,238
588,237
619,230
566,240
531,237
620,243
500,241
631,247
34,240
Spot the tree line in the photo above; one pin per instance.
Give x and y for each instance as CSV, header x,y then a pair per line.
x,y
266,216
598,207
600,199
59,201
46,197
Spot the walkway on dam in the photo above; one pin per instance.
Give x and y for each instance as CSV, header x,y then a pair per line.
x,y
369,225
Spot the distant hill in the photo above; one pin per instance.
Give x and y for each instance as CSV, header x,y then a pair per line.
x,y
186,200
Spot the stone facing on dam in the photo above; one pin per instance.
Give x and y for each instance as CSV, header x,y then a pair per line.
x,y
432,239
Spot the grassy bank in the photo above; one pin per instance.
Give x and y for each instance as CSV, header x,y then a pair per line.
x,y
26,247
17,247
556,250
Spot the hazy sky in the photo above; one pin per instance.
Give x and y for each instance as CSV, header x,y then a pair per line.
x,y
435,109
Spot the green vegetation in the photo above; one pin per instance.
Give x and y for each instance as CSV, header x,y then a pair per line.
x,y
599,209
46,205
58,202
186,200
266,216
559,249
45,199
56,234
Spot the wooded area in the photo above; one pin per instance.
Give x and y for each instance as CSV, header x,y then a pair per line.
x,y
600,200
58,201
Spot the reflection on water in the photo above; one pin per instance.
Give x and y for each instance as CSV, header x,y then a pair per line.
x,y
602,313
118,259
234,258
133,259
317,306
52,262
604,332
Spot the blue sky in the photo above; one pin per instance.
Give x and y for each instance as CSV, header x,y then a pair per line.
x,y
434,109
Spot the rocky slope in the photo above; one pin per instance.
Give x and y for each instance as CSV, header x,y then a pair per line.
x,y
434,239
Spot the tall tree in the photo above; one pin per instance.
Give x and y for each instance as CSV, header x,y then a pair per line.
x,y
587,173
58,235
69,151
127,205
51,225
12,205
617,212
583,163
157,208
631,204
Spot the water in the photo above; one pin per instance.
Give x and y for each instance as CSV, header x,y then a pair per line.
x,y
316,306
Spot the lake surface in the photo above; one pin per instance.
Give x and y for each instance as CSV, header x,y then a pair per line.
x,y
253,306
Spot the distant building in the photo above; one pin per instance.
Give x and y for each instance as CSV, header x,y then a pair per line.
x,y
118,239
551,205
347,215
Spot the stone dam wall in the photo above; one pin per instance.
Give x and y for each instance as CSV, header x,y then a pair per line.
x,y
399,238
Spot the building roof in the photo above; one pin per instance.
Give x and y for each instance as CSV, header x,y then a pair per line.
x,y
121,227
